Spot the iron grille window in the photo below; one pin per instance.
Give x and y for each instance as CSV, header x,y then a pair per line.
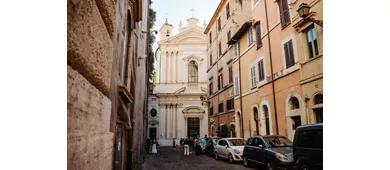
x,y
261,70
312,42
227,11
284,13
220,107
289,54
258,36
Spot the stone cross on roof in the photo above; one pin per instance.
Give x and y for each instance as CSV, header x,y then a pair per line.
x,y
192,10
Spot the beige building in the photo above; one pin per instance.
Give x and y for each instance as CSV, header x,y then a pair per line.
x,y
107,94
227,19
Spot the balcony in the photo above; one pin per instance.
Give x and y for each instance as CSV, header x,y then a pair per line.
x,y
193,87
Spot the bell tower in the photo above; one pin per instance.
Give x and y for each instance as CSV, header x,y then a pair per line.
x,y
166,30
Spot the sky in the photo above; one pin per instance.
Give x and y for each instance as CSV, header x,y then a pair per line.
x,y
180,10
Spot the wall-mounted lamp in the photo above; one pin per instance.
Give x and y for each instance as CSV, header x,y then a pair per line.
x,y
307,98
153,31
304,11
204,101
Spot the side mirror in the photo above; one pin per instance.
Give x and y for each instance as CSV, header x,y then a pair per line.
x,y
260,146
226,146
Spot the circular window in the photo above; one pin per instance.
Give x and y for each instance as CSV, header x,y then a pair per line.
x,y
153,113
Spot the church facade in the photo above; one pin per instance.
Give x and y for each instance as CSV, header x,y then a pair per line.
x,y
175,107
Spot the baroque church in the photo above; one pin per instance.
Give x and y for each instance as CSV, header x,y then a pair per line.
x,y
175,107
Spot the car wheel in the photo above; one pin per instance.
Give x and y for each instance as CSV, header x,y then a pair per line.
x,y
245,161
231,160
270,165
216,156
304,167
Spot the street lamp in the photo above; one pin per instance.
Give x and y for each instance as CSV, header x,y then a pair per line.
x,y
304,11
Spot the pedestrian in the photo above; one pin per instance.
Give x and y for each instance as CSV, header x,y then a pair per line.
x,y
148,145
186,150
154,148
173,144
198,148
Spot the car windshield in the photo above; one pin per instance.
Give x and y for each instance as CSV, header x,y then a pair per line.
x,y
278,141
236,142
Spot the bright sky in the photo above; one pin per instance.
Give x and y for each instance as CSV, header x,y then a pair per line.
x,y
180,10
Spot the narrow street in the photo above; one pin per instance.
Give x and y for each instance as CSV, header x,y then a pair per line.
x,y
167,158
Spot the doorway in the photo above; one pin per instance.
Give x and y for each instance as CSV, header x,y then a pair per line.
x,y
118,147
193,127
152,133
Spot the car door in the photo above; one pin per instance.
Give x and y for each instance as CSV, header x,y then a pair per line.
x,y
248,149
225,150
260,151
256,154
219,146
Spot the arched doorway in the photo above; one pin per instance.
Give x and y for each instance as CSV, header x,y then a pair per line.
x,y
267,120
295,113
239,124
256,119
193,116
318,108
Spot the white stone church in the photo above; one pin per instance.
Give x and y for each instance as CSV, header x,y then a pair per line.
x,y
175,108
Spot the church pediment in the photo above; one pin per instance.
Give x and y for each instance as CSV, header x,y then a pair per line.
x,y
188,36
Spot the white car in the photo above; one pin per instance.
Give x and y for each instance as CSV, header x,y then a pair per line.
x,y
229,148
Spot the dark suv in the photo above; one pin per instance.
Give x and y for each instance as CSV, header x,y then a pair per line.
x,y
273,152
308,146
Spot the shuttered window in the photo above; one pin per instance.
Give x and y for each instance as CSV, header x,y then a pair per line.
x,y
211,88
250,36
261,70
284,13
219,24
228,35
230,74
211,59
220,49
236,86
210,37
289,54
227,11
258,36
236,51
253,76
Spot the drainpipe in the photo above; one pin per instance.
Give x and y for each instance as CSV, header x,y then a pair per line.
x,y
272,70
242,109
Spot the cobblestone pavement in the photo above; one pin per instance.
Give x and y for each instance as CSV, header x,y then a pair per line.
x,y
169,159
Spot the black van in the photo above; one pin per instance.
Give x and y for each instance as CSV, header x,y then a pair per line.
x,y
307,147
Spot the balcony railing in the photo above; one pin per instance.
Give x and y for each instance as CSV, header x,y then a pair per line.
x,y
193,86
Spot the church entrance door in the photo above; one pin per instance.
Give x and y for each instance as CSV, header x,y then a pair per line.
x,y
193,129
152,133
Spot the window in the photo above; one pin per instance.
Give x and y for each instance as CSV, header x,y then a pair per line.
x,y
312,42
211,59
255,1
220,49
230,74
227,11
258,36
228,35
211,111
249,141
284,13
310,139
210,37
235,50
294,103
261,70
266,115
220,107
230,104
253,76
296,122
219,24
289,54
318,111
125,61
211,88
192,72
256,142
236,86
220,81
250,36
153,113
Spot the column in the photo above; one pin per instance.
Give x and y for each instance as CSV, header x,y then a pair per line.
x,y
201,133
176,114
166,66
173,67
177,65
185,127
172,122
166,121
158,68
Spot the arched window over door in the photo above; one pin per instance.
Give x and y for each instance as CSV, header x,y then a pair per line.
x,y
294,103
318,111
266,115
192,72
256,119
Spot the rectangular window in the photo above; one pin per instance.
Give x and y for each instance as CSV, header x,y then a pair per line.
x,y
211,111
236,86
228,35
210,37
310,139
289,54
230,104
284,13
230,74
296,122
258,36
261,70
211,88
227,11
250,36
235,50
220,49
220,107
211,59
312,42
220,81
219,24
253,76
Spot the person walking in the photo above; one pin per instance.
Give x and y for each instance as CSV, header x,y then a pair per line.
x,y
174,144
154,147
186,147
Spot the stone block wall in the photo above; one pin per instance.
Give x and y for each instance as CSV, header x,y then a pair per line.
x,y
90,144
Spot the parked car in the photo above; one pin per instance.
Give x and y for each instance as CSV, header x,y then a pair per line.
x,y
308,146
229,148
273,152
203,144
209,150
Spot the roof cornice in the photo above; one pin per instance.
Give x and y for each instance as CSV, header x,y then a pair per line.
x,y
216,12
